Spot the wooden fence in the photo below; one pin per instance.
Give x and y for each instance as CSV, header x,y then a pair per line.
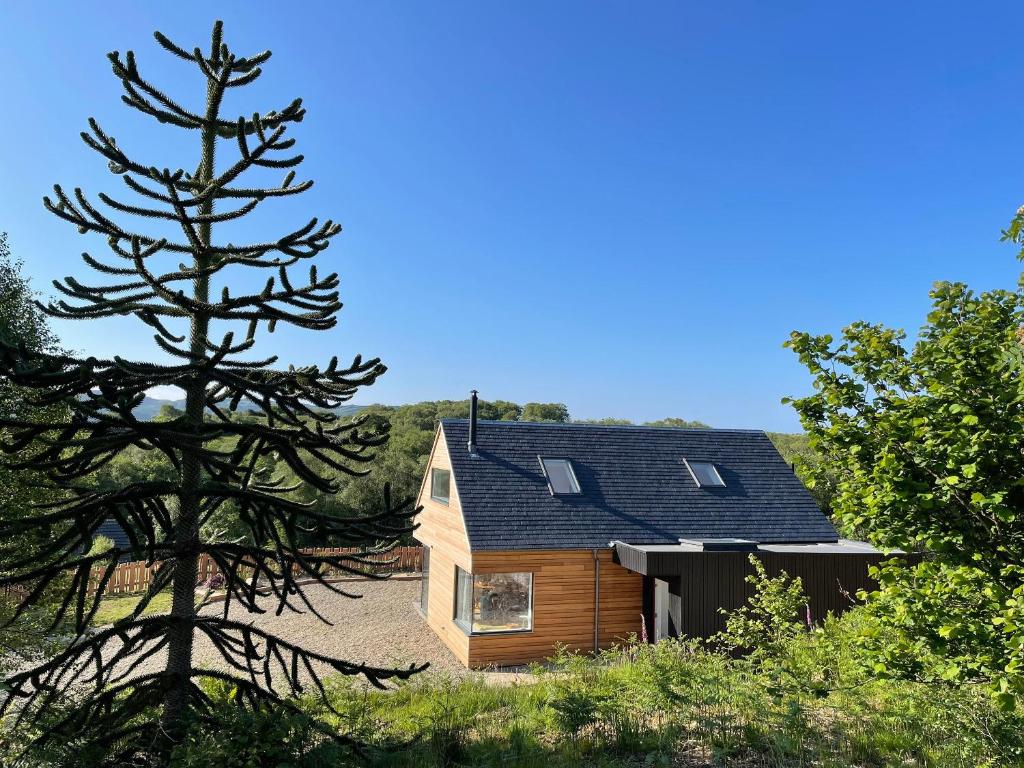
x,y
136,576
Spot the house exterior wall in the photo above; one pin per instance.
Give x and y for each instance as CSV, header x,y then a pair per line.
x,y
442,529
563,604
708,581
563,587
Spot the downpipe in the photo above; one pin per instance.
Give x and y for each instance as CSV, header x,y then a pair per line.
x,y
597,601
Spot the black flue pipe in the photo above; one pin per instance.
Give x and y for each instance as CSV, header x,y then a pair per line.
x,y
472,421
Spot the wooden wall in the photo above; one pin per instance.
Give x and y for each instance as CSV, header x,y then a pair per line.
x,y
713,580
442,529
563,604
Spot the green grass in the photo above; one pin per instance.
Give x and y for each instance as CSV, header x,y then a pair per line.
x,y
814,704
811,700
668,705
113,608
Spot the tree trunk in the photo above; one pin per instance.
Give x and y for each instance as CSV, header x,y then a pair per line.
x,y
186,526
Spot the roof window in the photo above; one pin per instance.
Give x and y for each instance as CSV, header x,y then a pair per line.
x,y
704,474
561,477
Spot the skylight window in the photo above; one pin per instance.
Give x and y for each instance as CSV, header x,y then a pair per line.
x,y
704,474
561,477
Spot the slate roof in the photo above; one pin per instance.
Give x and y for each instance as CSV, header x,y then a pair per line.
x,y
634,486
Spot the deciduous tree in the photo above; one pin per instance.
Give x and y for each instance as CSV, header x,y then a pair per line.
x,y
24,324
924,443
555,412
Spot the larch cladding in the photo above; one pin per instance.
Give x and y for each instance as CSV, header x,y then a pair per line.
x,y
563,588
563,605
441,529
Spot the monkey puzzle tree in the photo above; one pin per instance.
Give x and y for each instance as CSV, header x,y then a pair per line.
x,y
181,282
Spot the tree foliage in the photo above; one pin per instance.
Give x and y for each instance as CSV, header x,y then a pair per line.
x,y
923,442
672,421
817,475
553,412
186,285
773,616
23,323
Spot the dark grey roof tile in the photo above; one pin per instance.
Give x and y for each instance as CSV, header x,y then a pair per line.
x,y
634,487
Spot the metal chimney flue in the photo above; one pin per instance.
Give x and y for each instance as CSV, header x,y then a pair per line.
x,y
472,421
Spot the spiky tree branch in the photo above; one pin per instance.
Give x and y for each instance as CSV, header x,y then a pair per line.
x,y
217,458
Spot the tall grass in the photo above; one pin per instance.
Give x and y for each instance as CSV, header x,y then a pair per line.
x,y
807,698
674,703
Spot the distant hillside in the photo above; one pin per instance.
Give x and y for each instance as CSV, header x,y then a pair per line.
x,y
151,406
402,461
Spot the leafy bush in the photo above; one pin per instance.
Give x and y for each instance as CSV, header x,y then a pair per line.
x,y
100,544
922,442
764,629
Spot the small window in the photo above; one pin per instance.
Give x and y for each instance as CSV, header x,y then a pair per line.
x,y
440,480
493,602
705,474
561,476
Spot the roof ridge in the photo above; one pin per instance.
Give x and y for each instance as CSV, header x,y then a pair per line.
x,y
586,425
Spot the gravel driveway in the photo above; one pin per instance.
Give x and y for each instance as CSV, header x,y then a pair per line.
x,y
383,628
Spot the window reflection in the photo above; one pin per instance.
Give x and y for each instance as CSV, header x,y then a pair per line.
x,y
494,602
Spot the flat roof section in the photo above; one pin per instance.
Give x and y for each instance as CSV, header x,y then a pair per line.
x,y
667,559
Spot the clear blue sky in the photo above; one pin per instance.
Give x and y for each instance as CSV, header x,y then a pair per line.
x,y
625,207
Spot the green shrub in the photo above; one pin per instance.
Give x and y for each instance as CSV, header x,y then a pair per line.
x,y
282,737
676,702
100,544
765,628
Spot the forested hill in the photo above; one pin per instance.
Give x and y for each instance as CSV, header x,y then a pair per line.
x,y
402,461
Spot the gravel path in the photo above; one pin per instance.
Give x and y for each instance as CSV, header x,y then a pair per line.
x,y
383,628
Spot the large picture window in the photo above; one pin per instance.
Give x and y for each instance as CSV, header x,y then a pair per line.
x,y
440,481
493,602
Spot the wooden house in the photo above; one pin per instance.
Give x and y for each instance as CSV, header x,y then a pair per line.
x,y
539,535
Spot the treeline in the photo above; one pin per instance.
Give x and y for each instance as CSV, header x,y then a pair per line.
x,y
402,461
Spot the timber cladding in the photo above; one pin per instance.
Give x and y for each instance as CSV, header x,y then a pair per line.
x,y
563,604
442,529
705,583
563,587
